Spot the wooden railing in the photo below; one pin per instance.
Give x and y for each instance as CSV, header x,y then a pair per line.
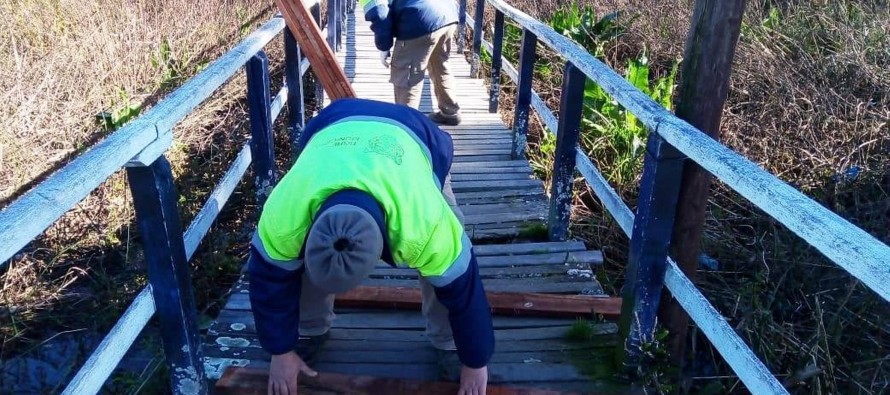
x,y
671,142
139,148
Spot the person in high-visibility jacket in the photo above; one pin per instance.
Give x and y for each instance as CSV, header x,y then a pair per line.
x,y
418,34
371,183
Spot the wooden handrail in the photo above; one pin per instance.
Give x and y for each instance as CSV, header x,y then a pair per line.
x,y
861,254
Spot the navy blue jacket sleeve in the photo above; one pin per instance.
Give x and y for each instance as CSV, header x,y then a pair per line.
x,y
275,301
381,23
470,316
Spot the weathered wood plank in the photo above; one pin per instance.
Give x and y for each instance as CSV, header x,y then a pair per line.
x,y
528,248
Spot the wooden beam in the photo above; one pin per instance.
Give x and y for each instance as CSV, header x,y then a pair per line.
x,y
505,303
324,63
704,85
252,381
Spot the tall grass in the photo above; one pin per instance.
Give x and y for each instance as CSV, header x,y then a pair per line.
x,y
70,73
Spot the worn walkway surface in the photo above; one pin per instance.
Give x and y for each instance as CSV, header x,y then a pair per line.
x,y
505,207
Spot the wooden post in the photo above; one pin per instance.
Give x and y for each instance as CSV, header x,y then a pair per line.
x,y
570,107
496,62
704,85
477,37
462,27
524,95
155,197
293,77
262,143
659,189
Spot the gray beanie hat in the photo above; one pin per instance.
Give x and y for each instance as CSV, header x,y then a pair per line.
x,y
343,246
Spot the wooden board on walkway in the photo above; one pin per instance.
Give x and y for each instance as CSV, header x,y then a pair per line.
x,y
247,381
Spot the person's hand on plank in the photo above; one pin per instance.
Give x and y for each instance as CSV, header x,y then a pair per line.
x,y
283,372
473,381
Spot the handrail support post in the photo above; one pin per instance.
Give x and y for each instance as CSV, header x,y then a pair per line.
x,y
157,217
293,78
462,27
524,93
496,62
561,189
650,241
477,37
262,144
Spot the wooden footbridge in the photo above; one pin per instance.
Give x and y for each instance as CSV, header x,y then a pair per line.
x,y
518,224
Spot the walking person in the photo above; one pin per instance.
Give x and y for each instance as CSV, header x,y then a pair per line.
x,y
415,36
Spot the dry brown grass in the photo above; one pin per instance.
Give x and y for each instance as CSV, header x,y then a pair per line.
x,y
62,63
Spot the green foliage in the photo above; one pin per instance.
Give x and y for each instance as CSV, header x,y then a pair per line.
x,y
579,332
582,25
657,370
123,110
175,67
614,135
610,133
244,18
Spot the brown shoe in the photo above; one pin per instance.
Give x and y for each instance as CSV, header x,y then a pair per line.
x,y
445,119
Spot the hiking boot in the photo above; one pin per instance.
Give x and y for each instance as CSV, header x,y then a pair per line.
x,y
445,119
308,346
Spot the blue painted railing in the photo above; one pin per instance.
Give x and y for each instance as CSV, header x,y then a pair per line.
x,y
671,142
139,148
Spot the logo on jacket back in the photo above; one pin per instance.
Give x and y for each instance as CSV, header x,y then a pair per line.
x,y
386,146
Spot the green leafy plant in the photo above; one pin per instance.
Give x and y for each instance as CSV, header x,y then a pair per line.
x,y
123,110
582,25
613,134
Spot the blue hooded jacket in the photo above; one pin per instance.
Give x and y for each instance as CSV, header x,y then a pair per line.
x,y
407,19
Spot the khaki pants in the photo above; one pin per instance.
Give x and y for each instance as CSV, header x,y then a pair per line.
x,y
410,61
317,307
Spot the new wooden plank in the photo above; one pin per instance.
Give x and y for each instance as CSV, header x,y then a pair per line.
x,y
245,381
537,285
522,304
488,272
324,63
